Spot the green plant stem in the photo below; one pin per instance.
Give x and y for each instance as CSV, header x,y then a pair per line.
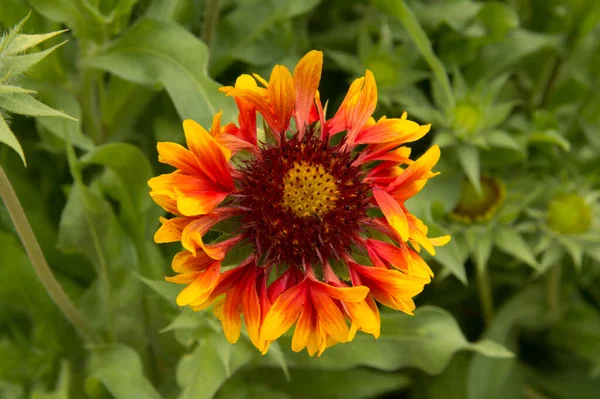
x,y
553,290
486,299
211,18
36,256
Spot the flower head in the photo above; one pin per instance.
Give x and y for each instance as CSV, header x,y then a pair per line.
x,y
300,201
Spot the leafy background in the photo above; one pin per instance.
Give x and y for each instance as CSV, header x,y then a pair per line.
x,y
87,88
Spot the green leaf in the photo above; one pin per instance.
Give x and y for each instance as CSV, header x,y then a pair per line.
x,y
57,97
578,331
62,386
153,52
4,89
126,181
24,104
491,378
357,383
20,64
549,137
501,139
468,157
482,250
201,373
168,291
511,242
575,250
400,10
119,368
453,257
25,42
8,137
426,341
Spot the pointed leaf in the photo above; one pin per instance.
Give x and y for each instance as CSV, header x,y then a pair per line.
x,y
24,42
24,104
511,242
468,156
201,373
22,63
8,137
4,89
482,250
120,369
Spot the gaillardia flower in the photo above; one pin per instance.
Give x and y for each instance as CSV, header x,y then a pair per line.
x,y
303,200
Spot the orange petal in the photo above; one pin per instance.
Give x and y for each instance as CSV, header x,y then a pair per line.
x,y
391,254
185,261
349,294
284,312
170,230
418,233
307,75
398,130
201,287
191,237
329,315
178,156
282,96
393,212
361,107
365,316
420,169
230,318
184,278
251,309
212,157
304,328
440,241
338,123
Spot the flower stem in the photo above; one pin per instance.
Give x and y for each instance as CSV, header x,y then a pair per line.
x,y
553,290
211,18
486,299
36,256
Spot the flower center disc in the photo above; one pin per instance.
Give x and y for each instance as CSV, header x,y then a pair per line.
x,y
308,190
305,201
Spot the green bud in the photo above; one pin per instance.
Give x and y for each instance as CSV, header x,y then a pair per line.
x,y
475,208
569,214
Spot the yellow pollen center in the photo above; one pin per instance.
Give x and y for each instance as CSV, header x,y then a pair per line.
x,y
308,190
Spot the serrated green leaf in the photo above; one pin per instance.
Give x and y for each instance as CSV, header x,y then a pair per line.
x,y
20,64
153,52
468,157
119,368
8,39
453,258
25,42
400,10
511,242
24,104
8,137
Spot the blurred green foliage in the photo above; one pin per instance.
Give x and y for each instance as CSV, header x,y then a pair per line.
x,y
512,90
